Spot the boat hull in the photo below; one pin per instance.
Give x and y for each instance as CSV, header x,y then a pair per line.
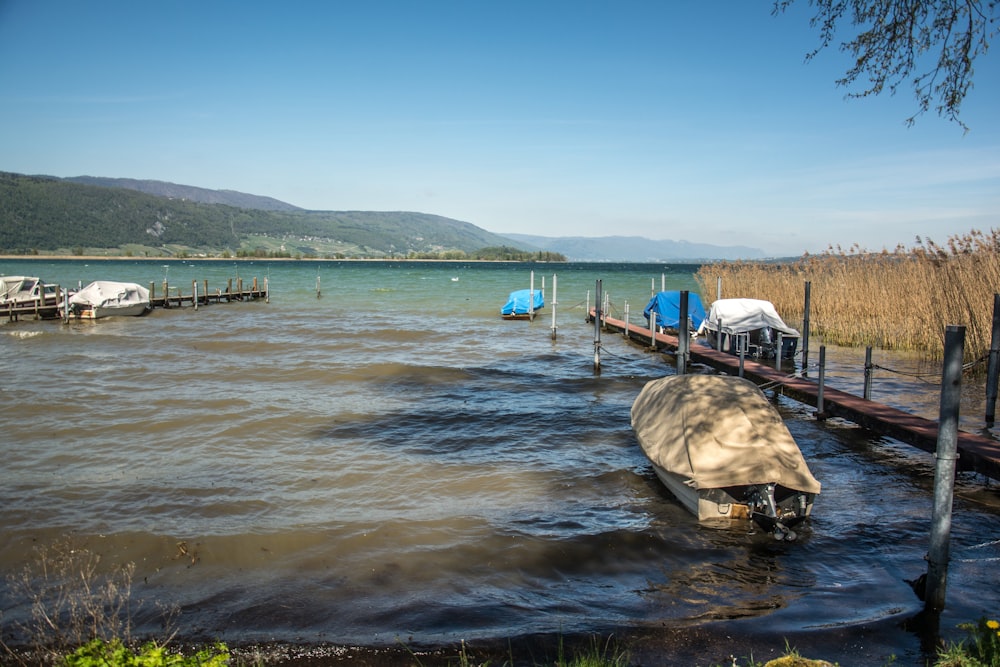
x,y
100,312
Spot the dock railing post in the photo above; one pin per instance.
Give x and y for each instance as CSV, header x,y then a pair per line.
x,y
683,333
194,293
944,470
597,327
820,408
993,367
652,330
867,395
805,329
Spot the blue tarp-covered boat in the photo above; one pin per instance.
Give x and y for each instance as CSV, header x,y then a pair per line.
x,y
668,307
522,304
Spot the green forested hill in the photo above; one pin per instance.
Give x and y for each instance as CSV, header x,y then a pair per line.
x,y
48,215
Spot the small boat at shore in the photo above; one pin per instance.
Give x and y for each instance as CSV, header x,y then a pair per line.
x,y
522,304
107,298
724,452
749,325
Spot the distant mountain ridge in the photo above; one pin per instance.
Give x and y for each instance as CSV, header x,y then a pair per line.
x,y
633,249
187,192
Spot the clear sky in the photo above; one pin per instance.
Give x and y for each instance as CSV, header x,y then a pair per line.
x,y
668,119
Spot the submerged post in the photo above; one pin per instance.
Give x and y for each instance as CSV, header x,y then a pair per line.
x,y
597,327
867,394
944,469
805,328
554,303
683,333
993,367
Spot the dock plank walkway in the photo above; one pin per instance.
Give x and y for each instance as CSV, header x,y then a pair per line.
x,y
976,453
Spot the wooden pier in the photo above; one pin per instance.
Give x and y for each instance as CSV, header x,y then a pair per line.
x,y
51,308
976,453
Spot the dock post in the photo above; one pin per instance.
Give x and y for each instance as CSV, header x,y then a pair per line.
x,y
554,304
867,395
152,291
597,327
194,293
65,306
820,408
267,290
663,282
805,329
777,351
743,356
319,292
205,292
718,338
993,367
166,294
718,287
531,298
652,330
625,329
683,333
652,287
944,470
229,289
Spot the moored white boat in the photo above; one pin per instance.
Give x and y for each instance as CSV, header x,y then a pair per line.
x,y
750,325
106,298
24,290
723,450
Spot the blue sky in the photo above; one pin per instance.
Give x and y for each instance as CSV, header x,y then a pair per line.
x,y
665,119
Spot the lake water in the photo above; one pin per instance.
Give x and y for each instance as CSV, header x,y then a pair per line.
x,y
392,462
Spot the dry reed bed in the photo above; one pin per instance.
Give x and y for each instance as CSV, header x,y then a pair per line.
x,y
900,300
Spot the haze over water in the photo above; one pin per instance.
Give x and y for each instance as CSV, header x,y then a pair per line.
x,y
392,461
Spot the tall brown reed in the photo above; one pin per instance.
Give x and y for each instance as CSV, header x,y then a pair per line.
x,y
899,300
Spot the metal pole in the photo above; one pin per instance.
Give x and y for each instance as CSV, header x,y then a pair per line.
x,y
718,339
993,367
718,287
944,470
779,341
820,408
597,327
663,282
683,333
652,330
743,355
868,373
531,297
554,303
805,328
625,330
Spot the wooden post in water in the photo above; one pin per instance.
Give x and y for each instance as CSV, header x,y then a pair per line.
x,y
993,367
597,327
229,289
625,329
683,335
319,292
152,291
206,292
867,392
944,470
166,294
805,329
554,303
267,290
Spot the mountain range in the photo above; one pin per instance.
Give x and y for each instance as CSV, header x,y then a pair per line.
x,y
132,216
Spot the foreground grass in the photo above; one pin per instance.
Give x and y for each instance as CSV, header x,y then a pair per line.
x,y
899,300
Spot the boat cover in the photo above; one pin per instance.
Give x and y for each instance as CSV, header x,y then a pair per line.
x,y
717,431
668,307
16,287
741,315
108,294
519,300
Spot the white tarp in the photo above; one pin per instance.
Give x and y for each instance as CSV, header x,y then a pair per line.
x,y
742,315
717,431
107,293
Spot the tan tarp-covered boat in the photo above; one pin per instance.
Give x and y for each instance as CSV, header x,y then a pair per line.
x,y
723,450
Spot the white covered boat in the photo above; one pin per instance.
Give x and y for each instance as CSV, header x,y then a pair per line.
x,y
723,450
751,325
24,290
106,298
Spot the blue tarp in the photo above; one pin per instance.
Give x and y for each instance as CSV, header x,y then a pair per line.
x,y
519,300
668,305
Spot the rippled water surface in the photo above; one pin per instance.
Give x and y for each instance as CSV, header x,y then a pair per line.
x,y
391,459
